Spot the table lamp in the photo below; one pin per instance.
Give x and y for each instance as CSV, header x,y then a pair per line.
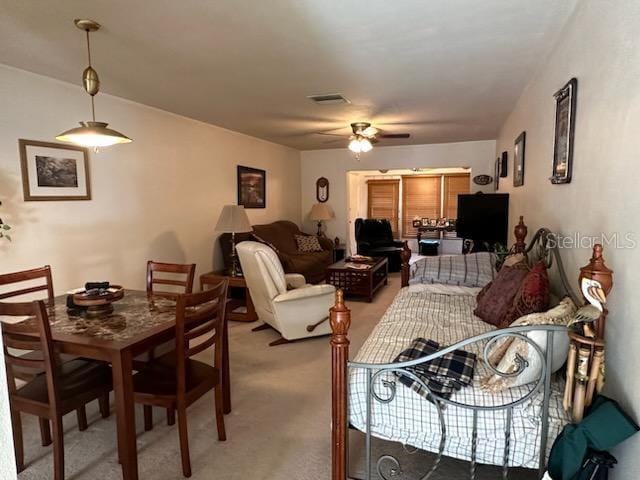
x,y
320,212
233,219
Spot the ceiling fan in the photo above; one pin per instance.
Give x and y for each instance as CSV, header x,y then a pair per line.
x,y
365,135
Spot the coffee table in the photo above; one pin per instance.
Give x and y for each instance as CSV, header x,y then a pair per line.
x,y
363,282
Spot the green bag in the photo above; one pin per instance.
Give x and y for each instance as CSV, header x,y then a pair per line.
x,y
604,426
597,466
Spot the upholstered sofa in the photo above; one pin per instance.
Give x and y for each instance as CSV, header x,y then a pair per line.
x,y
280,236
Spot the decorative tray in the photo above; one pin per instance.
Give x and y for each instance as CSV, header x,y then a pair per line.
x,y
98,302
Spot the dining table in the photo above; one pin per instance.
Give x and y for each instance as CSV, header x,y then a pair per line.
x,y
138,323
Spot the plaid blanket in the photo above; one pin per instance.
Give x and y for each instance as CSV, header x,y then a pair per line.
x,y
443,375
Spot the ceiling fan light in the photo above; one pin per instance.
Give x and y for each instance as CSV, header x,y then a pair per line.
x,y
93,134
365,145
355,145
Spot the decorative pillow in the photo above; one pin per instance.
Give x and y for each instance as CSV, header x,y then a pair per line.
x,y
308,243
472,270
503,355
494,303
533,295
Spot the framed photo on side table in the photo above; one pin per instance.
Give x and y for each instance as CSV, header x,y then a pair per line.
x,y
252,187
518,160
54,171
565,126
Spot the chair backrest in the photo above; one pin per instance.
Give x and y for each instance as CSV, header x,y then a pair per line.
x,y
200,321
263,274
172,268
25,276
19,338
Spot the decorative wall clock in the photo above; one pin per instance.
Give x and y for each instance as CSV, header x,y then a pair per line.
x,y
322,190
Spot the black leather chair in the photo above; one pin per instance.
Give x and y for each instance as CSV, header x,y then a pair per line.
x,y
375,239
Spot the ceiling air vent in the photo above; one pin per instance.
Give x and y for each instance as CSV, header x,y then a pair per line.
x,y
328,99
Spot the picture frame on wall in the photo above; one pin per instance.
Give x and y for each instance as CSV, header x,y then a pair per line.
x,y
564,131
54,171
496,176
504,159
518,159
252,187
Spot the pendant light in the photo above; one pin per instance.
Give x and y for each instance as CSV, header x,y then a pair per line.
x,y
92,133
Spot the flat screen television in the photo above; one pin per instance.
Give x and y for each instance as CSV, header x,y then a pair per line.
x,y
483,217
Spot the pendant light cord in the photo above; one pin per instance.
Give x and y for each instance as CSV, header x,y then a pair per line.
x,y
93,106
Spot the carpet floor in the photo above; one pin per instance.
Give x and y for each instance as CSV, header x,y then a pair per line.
x,y
279,427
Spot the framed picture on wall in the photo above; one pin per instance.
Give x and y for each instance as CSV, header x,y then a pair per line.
x,y
252,187
54,171
496,174
518,160
565,126
504,158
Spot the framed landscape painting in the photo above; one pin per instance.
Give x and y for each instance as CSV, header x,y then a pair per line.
x,y
252,187
53,171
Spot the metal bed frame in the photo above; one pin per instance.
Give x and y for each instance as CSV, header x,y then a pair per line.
x,y
540,249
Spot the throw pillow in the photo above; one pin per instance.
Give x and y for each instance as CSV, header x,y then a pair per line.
x,y
503,354
308,243
514,259
533,295
472,270
496,301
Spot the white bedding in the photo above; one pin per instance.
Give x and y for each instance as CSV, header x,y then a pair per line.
x,y
445,314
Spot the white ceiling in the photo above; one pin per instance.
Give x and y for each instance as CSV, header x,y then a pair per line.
x,y
442,70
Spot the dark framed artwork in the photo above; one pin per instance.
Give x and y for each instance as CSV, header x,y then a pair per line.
x,y
504,158
518,160
565,126
54,171
252,187
496,176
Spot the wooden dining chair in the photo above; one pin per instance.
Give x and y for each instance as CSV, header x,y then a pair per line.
x,y
171,268
176,380
60,389
11,288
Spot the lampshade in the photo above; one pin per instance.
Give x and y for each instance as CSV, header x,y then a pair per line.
x,y
320,211
233,219
93,134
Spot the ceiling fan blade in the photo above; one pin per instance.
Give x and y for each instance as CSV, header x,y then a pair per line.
x,y
327,142
330,134
394,135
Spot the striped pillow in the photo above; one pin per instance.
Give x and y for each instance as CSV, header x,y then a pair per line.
x,y
472,270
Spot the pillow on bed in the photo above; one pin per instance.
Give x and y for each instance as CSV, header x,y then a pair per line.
x,y
496,300
503,353
533,295
472,270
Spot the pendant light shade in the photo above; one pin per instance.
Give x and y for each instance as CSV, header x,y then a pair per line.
x,y
92,133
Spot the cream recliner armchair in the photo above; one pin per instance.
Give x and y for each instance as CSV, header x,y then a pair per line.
x,y
298,312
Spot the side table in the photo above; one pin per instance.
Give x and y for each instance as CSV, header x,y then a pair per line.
x,y
239,305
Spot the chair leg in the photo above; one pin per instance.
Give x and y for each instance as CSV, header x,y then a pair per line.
x,y
16,425
184,441
45,431
219,404
171,416
81,415
148,417
58,448
103,401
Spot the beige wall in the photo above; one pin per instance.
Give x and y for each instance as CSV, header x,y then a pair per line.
x,y
601,47
334,165
158,197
